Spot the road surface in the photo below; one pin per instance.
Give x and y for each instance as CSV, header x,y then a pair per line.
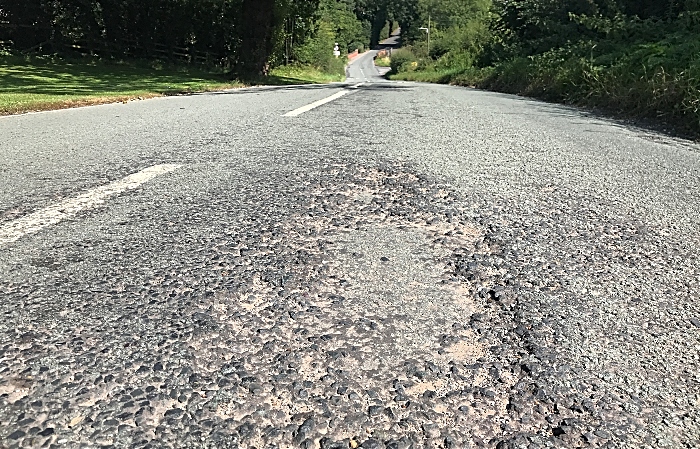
x,y
372,263
363,70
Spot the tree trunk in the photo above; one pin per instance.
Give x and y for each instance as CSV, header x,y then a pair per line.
x,y
378,22
257,31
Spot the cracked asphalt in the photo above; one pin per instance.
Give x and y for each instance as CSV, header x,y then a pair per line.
x,y
407,266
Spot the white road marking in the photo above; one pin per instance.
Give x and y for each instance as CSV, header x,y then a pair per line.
x,y
316,104
34,222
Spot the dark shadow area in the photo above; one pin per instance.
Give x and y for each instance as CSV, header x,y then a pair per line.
x,y
385,86
273,80
641,126
300,87
271,88
67,78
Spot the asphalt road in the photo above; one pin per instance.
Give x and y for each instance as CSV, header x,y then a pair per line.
x,y
363,70
403,265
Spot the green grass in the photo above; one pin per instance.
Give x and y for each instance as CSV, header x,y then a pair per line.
x,y
655,79
304,74
441,76
28,84
383,62
35,84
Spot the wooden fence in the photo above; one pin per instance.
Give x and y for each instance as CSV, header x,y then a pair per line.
x,y
132,49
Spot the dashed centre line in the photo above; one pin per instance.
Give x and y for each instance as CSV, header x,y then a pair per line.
x,y
36,221
316,104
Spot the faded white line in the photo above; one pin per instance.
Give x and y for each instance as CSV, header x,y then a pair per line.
x,y
316,104
34,222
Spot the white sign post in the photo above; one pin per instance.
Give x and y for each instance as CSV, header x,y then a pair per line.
x,y
336,50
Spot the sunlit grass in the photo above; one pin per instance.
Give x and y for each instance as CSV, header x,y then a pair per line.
x,y
35,84
309,74
28,84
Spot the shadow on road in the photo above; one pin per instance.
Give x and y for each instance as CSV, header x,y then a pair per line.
x,y
301,87
387,86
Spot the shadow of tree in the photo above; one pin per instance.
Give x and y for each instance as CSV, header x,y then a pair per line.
x,y
36,77
17,76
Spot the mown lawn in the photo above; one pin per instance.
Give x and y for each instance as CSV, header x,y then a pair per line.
x,y
35,84
31,84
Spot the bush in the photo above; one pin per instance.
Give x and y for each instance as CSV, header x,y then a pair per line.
x,y
403,60
382,61
359,46
658,80
318,51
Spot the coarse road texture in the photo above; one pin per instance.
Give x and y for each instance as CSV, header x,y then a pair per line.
x,y
404,266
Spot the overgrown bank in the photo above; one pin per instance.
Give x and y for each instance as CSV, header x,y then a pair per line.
x,y
643,65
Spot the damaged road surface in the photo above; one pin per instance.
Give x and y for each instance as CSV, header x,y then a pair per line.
x,y
399,266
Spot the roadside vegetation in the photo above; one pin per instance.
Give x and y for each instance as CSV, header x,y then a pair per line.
x,y
637,58
44,83
382,59
69,53
632,58
31,84
302,74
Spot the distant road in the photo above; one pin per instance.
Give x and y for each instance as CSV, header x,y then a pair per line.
x,y
370,263
363,69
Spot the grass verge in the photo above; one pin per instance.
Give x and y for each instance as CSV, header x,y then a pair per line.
x,y
654,81
472,77
303,74
43,83
36,84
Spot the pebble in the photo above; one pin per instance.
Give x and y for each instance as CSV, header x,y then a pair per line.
x,y
375,410
372,444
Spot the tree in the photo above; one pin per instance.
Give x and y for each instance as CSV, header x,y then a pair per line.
x,y
407,14
28,22
257,23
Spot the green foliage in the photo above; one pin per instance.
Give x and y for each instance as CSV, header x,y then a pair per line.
x,y
471,76
240,34
385,32
347,28
383,61
403,60
337,24
318,51
638,58
407,13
